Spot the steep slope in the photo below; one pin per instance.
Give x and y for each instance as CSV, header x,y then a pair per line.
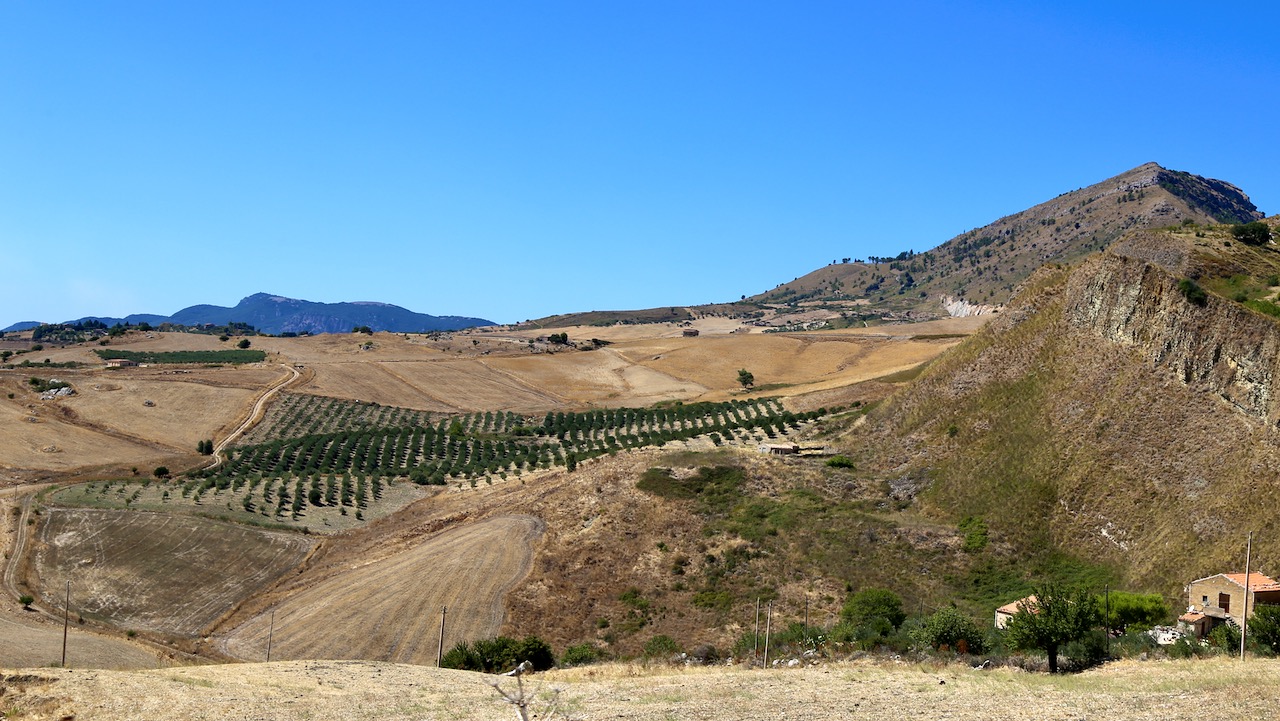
x,y
983,266
1106,415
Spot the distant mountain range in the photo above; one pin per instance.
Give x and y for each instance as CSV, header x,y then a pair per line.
x,y
276,314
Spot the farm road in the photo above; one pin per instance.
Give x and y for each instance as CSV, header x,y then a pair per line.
x,y
259,406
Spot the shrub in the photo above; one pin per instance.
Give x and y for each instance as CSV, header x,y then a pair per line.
x,y
1192,291
499,655
26,601
1255,233
661,646
1264,627
840,462
581,655
863,607
948,629
1225,638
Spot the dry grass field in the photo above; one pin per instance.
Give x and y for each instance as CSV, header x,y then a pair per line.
x,y
390,609
1154,691
163,573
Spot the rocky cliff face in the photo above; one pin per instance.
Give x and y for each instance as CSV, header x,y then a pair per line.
x,y
1221,347
1103,414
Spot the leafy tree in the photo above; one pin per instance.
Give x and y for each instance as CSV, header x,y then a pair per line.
x,y
1139,611
863,607
746,378
1058,616
244,343
571,462
949,629
1264,627
160,472
1255,233
26,601
362,329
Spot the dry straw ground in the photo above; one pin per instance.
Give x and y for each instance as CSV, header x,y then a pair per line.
x,y
1168,691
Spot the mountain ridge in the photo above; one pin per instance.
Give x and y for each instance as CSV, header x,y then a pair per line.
x,y
276,314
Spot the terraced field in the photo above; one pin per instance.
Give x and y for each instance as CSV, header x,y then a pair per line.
x,y
163,573
390,610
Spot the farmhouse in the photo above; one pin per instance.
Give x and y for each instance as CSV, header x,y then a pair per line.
x,y
1222,599
120,363
1009,610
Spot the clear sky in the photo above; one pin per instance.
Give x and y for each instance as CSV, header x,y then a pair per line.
x,y
510,160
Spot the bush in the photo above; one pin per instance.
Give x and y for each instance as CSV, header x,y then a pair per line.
x,y
1255,233
948,629
863,607
1088,651
1264,627
26,601
499,655
1225,638
581,655
840,462
661,646
1192,291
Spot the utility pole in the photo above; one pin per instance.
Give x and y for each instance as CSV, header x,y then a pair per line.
x,y
768,623
444,610
755,651
66,620
271,632
1244,619
1106,624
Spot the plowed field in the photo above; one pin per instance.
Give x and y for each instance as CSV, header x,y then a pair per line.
x,y
390,610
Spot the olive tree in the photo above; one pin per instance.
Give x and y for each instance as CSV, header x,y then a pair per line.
x,y
1051,619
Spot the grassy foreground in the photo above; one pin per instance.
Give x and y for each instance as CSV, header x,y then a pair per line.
x,y
1221,689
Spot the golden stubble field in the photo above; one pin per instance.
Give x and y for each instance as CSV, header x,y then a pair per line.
x,y
867,689
141,417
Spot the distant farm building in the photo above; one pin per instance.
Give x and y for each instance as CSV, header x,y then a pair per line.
x,y
1009,610
779,449
1223,598
690,332
121,363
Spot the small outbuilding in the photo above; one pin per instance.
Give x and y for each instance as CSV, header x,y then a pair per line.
x,y
1009,610
121,363
690,333
779,449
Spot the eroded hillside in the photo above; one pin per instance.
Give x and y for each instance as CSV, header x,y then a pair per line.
x,y
1111,413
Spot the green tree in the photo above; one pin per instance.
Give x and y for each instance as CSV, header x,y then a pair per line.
x,y
947,628
1264,627
161,472
1255,233
1137,611
244,343
26,602
863,607
746,378
1057,616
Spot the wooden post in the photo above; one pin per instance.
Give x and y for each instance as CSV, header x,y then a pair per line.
x,y
755,650
66,620
440,650
1244,622
271,632
768,621
1106,620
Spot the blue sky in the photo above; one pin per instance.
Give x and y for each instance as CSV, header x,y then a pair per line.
x,y
512,160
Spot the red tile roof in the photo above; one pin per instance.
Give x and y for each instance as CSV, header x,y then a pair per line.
x,y
1257,581
1012,608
